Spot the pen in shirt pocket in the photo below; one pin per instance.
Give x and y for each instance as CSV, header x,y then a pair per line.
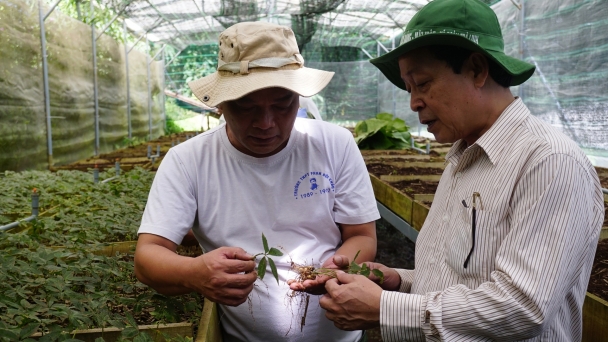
x,y
476,196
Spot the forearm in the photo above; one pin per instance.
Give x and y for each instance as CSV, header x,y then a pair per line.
x,y
364,245
162,269
358,238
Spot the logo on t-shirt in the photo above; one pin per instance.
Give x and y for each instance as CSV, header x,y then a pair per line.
x,y
313,183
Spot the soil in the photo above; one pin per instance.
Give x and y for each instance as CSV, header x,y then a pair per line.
x,y
604,181
394,250
414,187
603,175
130,156
598,283
379,169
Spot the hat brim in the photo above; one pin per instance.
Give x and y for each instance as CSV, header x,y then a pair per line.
x,y
225,86
389,63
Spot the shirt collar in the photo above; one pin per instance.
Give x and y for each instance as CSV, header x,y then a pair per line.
x,y
497,137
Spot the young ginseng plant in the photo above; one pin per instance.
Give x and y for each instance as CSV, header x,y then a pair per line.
x,y
310,272
267,260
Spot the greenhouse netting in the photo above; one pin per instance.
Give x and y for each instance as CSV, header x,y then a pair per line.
x,y
98,98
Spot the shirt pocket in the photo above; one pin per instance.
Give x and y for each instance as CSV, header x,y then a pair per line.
x,y
460,240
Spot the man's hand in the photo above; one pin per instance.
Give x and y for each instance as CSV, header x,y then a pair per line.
x,y
391,281
352,302
226,275
317,286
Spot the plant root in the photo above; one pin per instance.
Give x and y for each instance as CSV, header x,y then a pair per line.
x,y
305,311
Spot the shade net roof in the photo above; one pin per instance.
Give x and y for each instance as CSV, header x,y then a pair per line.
x,y
327,22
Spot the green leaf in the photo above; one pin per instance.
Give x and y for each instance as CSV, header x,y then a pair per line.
x,y
399,125
116,323
273,268
275,252
130,332
382,132
28,330
384,116
143,337
403,136
131,320
380,141
265,242
262,268
100,339
378,274
360,128
5,333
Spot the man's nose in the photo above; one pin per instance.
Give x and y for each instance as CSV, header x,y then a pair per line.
x,y
416,103
264,119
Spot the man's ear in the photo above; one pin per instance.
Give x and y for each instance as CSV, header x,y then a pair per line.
x,y
479,67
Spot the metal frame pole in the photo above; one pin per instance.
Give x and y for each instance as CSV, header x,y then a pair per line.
x,y
111,21
164,86
130,132
95,90
45,79
522,13
149,89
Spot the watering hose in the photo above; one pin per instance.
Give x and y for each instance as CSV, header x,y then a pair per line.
x,y
35,207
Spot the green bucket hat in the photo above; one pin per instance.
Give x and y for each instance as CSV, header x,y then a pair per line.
x,y
469,24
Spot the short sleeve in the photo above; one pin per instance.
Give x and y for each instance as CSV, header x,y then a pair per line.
x,y
172,204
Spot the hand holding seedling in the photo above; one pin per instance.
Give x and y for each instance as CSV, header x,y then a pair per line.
x,y
227,275
352,302
310,279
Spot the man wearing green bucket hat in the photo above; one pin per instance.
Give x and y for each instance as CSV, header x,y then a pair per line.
x,y
507,248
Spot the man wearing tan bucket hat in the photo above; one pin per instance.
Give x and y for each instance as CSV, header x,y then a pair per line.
x,y
506,250
253,176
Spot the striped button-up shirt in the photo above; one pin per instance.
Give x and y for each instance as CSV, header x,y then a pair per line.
x,y
537,218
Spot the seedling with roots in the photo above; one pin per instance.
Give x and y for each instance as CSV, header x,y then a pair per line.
x,y
267,260
308,272
311,273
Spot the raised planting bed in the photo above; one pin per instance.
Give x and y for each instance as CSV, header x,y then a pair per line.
x,y
133,154
399,184
595,309
56,293
209,325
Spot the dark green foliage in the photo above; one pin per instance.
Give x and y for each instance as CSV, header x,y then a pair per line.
x,y
172,127
194,62
72,208
382,133
55,291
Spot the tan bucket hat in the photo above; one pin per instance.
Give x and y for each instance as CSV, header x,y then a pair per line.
x,y
255,56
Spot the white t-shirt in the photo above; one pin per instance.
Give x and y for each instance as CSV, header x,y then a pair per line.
x,y
307,104
294,198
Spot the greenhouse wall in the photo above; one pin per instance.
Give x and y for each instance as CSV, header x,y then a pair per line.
x,y
567,42
23,135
